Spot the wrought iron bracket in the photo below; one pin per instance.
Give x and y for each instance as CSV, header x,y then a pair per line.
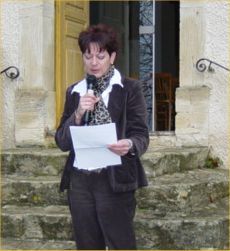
x,y
201,66
11,72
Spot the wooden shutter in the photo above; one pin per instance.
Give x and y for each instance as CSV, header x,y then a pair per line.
x,y
71,18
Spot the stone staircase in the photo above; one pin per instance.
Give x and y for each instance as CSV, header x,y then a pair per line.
x,y
185,205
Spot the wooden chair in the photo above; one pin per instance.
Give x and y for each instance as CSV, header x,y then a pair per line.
x,y
165,86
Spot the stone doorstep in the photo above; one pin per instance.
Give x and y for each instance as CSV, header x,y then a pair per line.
x,y
206,228
46,162
34,244
179,191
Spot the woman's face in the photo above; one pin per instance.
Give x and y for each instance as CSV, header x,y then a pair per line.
x,y
97,62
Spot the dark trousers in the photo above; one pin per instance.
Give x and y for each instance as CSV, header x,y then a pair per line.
x,y
101,218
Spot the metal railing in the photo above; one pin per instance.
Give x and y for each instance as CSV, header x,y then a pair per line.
x,y
11,72
201,66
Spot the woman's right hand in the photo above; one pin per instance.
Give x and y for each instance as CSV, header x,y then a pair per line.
x,y
86,103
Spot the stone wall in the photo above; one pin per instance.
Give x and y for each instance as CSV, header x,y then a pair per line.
x,y
9,30
29,102
217,14
201,100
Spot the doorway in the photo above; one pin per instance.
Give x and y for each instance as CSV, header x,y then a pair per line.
x,y
149,46
166,63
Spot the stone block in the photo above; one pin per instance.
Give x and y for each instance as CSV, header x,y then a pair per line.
x,y
50,116
192,37
191,99
192,119
183,122
29,117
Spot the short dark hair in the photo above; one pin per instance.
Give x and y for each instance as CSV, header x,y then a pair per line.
x,y
101,34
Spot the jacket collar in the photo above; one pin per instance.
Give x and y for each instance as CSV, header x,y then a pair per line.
x,y
81,87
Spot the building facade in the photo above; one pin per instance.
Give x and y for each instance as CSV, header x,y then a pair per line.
x,y
39,38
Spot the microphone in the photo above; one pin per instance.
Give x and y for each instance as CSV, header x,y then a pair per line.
x,y
91,80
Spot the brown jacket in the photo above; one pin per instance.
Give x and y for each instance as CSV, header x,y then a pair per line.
x,y
127,109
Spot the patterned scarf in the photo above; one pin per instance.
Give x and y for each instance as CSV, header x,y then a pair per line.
x,y
100,115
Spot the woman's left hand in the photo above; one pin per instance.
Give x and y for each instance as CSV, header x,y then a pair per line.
x,y
121,147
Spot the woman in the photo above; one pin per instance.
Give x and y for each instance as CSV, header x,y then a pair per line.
x,y
102,201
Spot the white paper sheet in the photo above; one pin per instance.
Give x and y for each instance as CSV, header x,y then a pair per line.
x,y
90,146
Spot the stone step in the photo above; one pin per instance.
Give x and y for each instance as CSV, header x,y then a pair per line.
x,y
34,244
205,228
47,162
159,161
184,191
45,223
179,191
34,191
33,161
